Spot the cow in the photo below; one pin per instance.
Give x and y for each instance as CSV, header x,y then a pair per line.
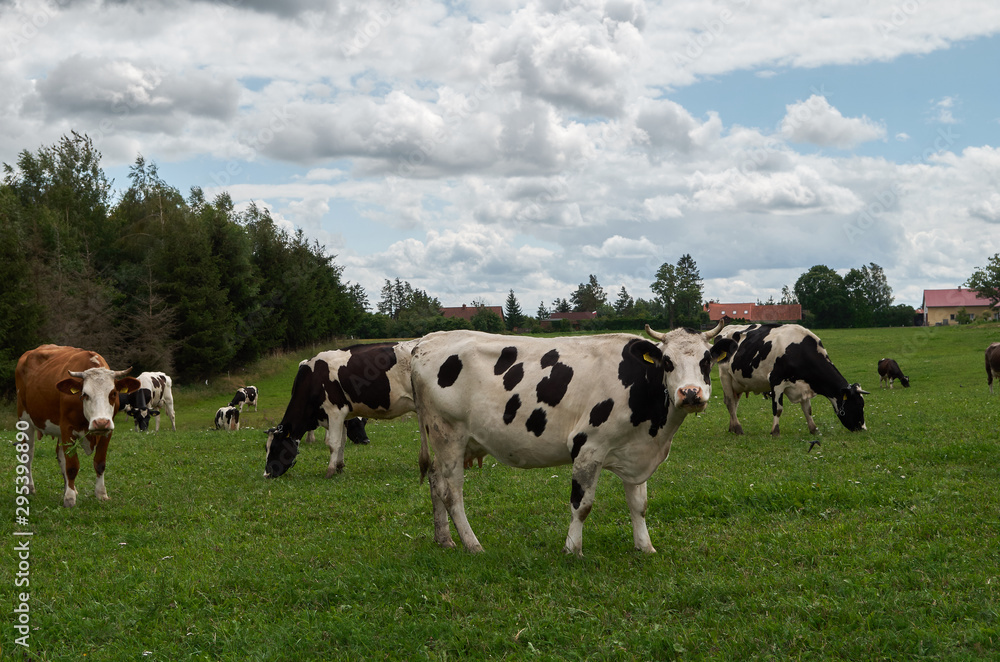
x,y
786,361
245,395
354,428
370,380
155,393
992,364
70,394
597,402
888,371
227,418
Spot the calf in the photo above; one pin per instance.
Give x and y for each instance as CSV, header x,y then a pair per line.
x,y
72,395
888,371
245,395
227,418
992,364
596,402
155,393
787,360
334,386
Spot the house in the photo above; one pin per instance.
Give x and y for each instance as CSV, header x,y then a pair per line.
x,y
753,312
574,318
468,312
942,306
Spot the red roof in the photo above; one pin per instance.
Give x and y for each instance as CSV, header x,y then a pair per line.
x,y
959,297
467,312
755,313
573,316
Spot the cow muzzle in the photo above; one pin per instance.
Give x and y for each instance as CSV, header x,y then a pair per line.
x,y
101,425
691,399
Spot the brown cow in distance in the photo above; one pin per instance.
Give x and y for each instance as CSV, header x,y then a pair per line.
x,y
72,395
889,370
992,364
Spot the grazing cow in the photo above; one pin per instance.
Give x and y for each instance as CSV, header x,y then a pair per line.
x,y
364,380
786,361
245,395
353,427
888,370
155,392
597,402
227,418
72,395
992,364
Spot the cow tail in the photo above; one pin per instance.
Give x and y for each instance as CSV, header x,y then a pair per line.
x,y
425,456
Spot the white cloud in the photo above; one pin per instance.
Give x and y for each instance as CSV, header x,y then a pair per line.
x,y
816,121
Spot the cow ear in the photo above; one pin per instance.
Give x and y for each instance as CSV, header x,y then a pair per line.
x,y
70,386
647,352
127,385
723,349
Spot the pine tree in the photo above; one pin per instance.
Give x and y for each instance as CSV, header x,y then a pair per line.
x,y
512,310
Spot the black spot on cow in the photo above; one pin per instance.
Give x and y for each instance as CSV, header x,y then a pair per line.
x,y
578,442
507,357
536,422
552,388
550,358
647,399
601,411
510,411
706,364
450,369
513,377
364,377
576,494
753,350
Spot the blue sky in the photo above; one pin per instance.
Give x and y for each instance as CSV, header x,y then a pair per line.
x,y
476,148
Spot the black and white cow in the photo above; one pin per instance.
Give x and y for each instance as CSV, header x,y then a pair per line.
x,y
154,395
227,418
992,364
786,361
245,395
597,402
889,371
371,380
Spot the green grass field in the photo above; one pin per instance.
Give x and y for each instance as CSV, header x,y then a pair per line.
x,y
879,545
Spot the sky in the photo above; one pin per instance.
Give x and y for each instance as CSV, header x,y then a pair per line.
x,y
474,148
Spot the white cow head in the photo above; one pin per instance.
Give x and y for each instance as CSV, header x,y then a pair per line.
x,y
98,388
687,359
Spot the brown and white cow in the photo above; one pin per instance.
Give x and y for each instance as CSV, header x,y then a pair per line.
x,y
72,395
889,371
597,402
992,364
370,380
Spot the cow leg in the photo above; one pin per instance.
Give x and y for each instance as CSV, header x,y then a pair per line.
x,y
776,409
335,442
732,402
69,462
635,496
586,469
100,461
807,410
442,532
446,496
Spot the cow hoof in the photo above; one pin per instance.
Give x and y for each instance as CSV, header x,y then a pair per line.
x,y
446,544
736,429
69,503
333,471
363,442
775,432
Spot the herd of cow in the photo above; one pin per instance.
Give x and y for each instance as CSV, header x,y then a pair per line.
x,y
599,402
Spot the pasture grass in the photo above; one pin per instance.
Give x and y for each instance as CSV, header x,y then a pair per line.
x,y
878,545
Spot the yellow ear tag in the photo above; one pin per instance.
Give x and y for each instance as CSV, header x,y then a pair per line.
x,y
845,396
74,391
123,390
648,359
721,356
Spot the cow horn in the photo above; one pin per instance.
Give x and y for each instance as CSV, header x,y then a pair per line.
x,y
654,334
78,375
714,332
121,373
